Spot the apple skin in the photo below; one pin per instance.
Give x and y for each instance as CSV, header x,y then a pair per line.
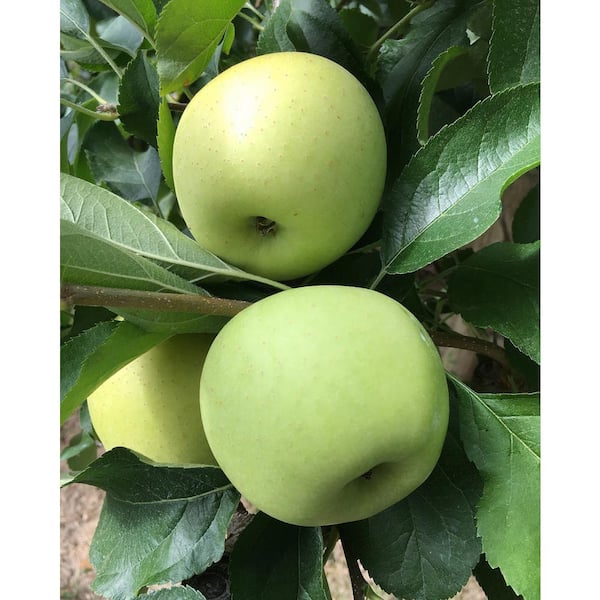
x,y
151,405
324,404
292,138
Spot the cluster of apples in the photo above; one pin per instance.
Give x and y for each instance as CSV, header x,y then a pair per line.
x,y
323,404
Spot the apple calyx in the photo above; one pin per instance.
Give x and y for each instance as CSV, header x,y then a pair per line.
x,y
265,226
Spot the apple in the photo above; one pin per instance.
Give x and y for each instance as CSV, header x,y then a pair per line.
x,y
151,405
324,404
279,164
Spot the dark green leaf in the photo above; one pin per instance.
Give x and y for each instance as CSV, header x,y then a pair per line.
x,y
93,356
133,174
499,287
362,28
426,545
492,582
80,452
403,65
429,87
187,34
272,560
450,191
139,99
526,222
501,434
274,37
141,13
158,524
515,45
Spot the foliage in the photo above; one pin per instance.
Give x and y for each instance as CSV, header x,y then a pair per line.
x,y
457,86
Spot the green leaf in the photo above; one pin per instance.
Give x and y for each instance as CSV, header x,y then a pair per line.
x,y
272,560
362,28
139,99
187,34
501,434
312,26
141,13
449,193
403,64
117,32
492,582
165,138
158,524
86,259
90,358
133,174
499,287
109,217
514,56
428,89
426,545
74,19
174,593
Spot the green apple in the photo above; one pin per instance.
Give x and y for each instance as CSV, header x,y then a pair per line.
x,y
279,164
324,404
151,405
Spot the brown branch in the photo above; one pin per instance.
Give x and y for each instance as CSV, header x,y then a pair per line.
x,y
87,295
456,340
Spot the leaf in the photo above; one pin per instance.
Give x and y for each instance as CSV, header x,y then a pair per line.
x,y
428,89
403,64
158,524
165,138
90,358
117,32
272,560
501,434
526,222
139,100
499,287
74,19
133,174
312,26
492,582
426,545
109,217
514,56
86,259
449,193
187,34
141,13
174,593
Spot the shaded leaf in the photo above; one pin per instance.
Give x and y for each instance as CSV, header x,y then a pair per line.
x,y
499,287
89,359
526,222
187,34
501,434
133,174
175,593
514,56
139,100
492,582
272,560
450,191
141,13
165,138
158,524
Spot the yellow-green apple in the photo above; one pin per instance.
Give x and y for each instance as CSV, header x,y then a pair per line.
x,y
279,164
324,404
151,405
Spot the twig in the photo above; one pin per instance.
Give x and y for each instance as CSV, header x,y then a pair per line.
x,y
86,295
456,340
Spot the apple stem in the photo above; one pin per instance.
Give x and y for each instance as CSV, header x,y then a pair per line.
x,y
450,339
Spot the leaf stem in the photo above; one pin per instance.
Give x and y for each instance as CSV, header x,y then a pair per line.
x,y
405,20
254,10
250,20
87,295
86,88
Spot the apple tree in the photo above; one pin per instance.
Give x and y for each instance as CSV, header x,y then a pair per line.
x,y
455,84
